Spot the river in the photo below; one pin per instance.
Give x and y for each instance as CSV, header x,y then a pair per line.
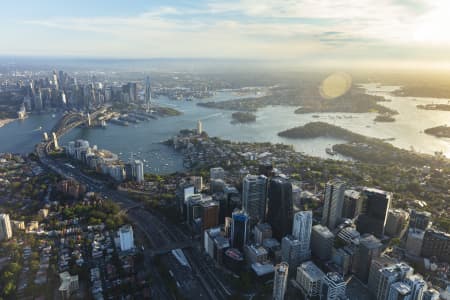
x,y
143,140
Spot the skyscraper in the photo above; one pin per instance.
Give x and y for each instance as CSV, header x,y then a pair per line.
x,y
388,276
333,287
417,285
199,127
374,212
280,208
291,251
436,243
5,227
147,93
138,170
301,230
333,203
399,291
396,222
420,219
322,240
352,204
309,277
254,195
239,230
369,248
280,281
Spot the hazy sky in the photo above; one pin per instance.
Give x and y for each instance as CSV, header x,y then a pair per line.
x,y
302,30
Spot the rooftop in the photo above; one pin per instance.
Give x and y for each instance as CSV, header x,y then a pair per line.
x,y
311,271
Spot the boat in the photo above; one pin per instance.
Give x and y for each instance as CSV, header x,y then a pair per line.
x,y
330,151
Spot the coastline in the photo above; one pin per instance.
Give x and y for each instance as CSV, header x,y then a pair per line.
x,y
4,122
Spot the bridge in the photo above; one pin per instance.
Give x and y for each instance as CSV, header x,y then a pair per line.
x,y
72,120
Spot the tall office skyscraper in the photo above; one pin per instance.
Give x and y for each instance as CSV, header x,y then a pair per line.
x,y
254,195
417,285
322,240
388,276
333,203
301,230
138,170
309,277
436,243
5,227
291,251
280,208
399,291
147,93
374,212
333,287
369,248
352,204
280,281
239,230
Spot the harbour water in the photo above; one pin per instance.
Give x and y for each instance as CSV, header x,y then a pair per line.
x,y
143,140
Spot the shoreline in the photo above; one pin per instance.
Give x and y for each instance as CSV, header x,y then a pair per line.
x,y
4,122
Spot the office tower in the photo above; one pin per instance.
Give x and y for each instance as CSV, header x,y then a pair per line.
x,y
217,173
417,286
239,230
208,240
376,265
390,275
132,91
309,277
291,251
126,238
261,232
322,240
210,214
254,197
374,211
352,204
414,241
399,291
216,186
38,101
5,227
55,80
227,227
396,222
420,219
436,243
138,170
349,235
301,230
147,93
280,208
55,141
255,254
333,287
333,203
369,248
431,294
280,281
342,258
199,127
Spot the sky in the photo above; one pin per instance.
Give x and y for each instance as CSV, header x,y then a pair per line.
x,y
320,31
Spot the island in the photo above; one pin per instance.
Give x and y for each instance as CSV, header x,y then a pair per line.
x,y
384,118
242,117
362,148
439,131
307,100
442,107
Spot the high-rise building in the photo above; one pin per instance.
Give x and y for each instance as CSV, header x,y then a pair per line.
x,y
374,212
138,170
388,276
239,230
261,232
291,251
199,127
399,291
333,203
5,227
280,281
147,93
420,219
333,287
210,214
417,285
431,294
217,173
396,222
301,230
280,207
369,248
309,277
414,241
322,240
377,264
436,243
352,204
254,197
126,238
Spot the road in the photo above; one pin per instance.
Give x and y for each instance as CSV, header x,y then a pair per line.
x,y
158,231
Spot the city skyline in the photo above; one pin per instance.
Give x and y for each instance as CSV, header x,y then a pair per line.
x,y
305,32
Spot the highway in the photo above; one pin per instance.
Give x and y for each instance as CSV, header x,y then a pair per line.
x,y
160,233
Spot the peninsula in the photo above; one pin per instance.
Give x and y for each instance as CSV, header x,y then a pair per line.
x,y
439,131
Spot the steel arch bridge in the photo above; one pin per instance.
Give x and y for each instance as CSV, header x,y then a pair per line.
x,y
68,122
